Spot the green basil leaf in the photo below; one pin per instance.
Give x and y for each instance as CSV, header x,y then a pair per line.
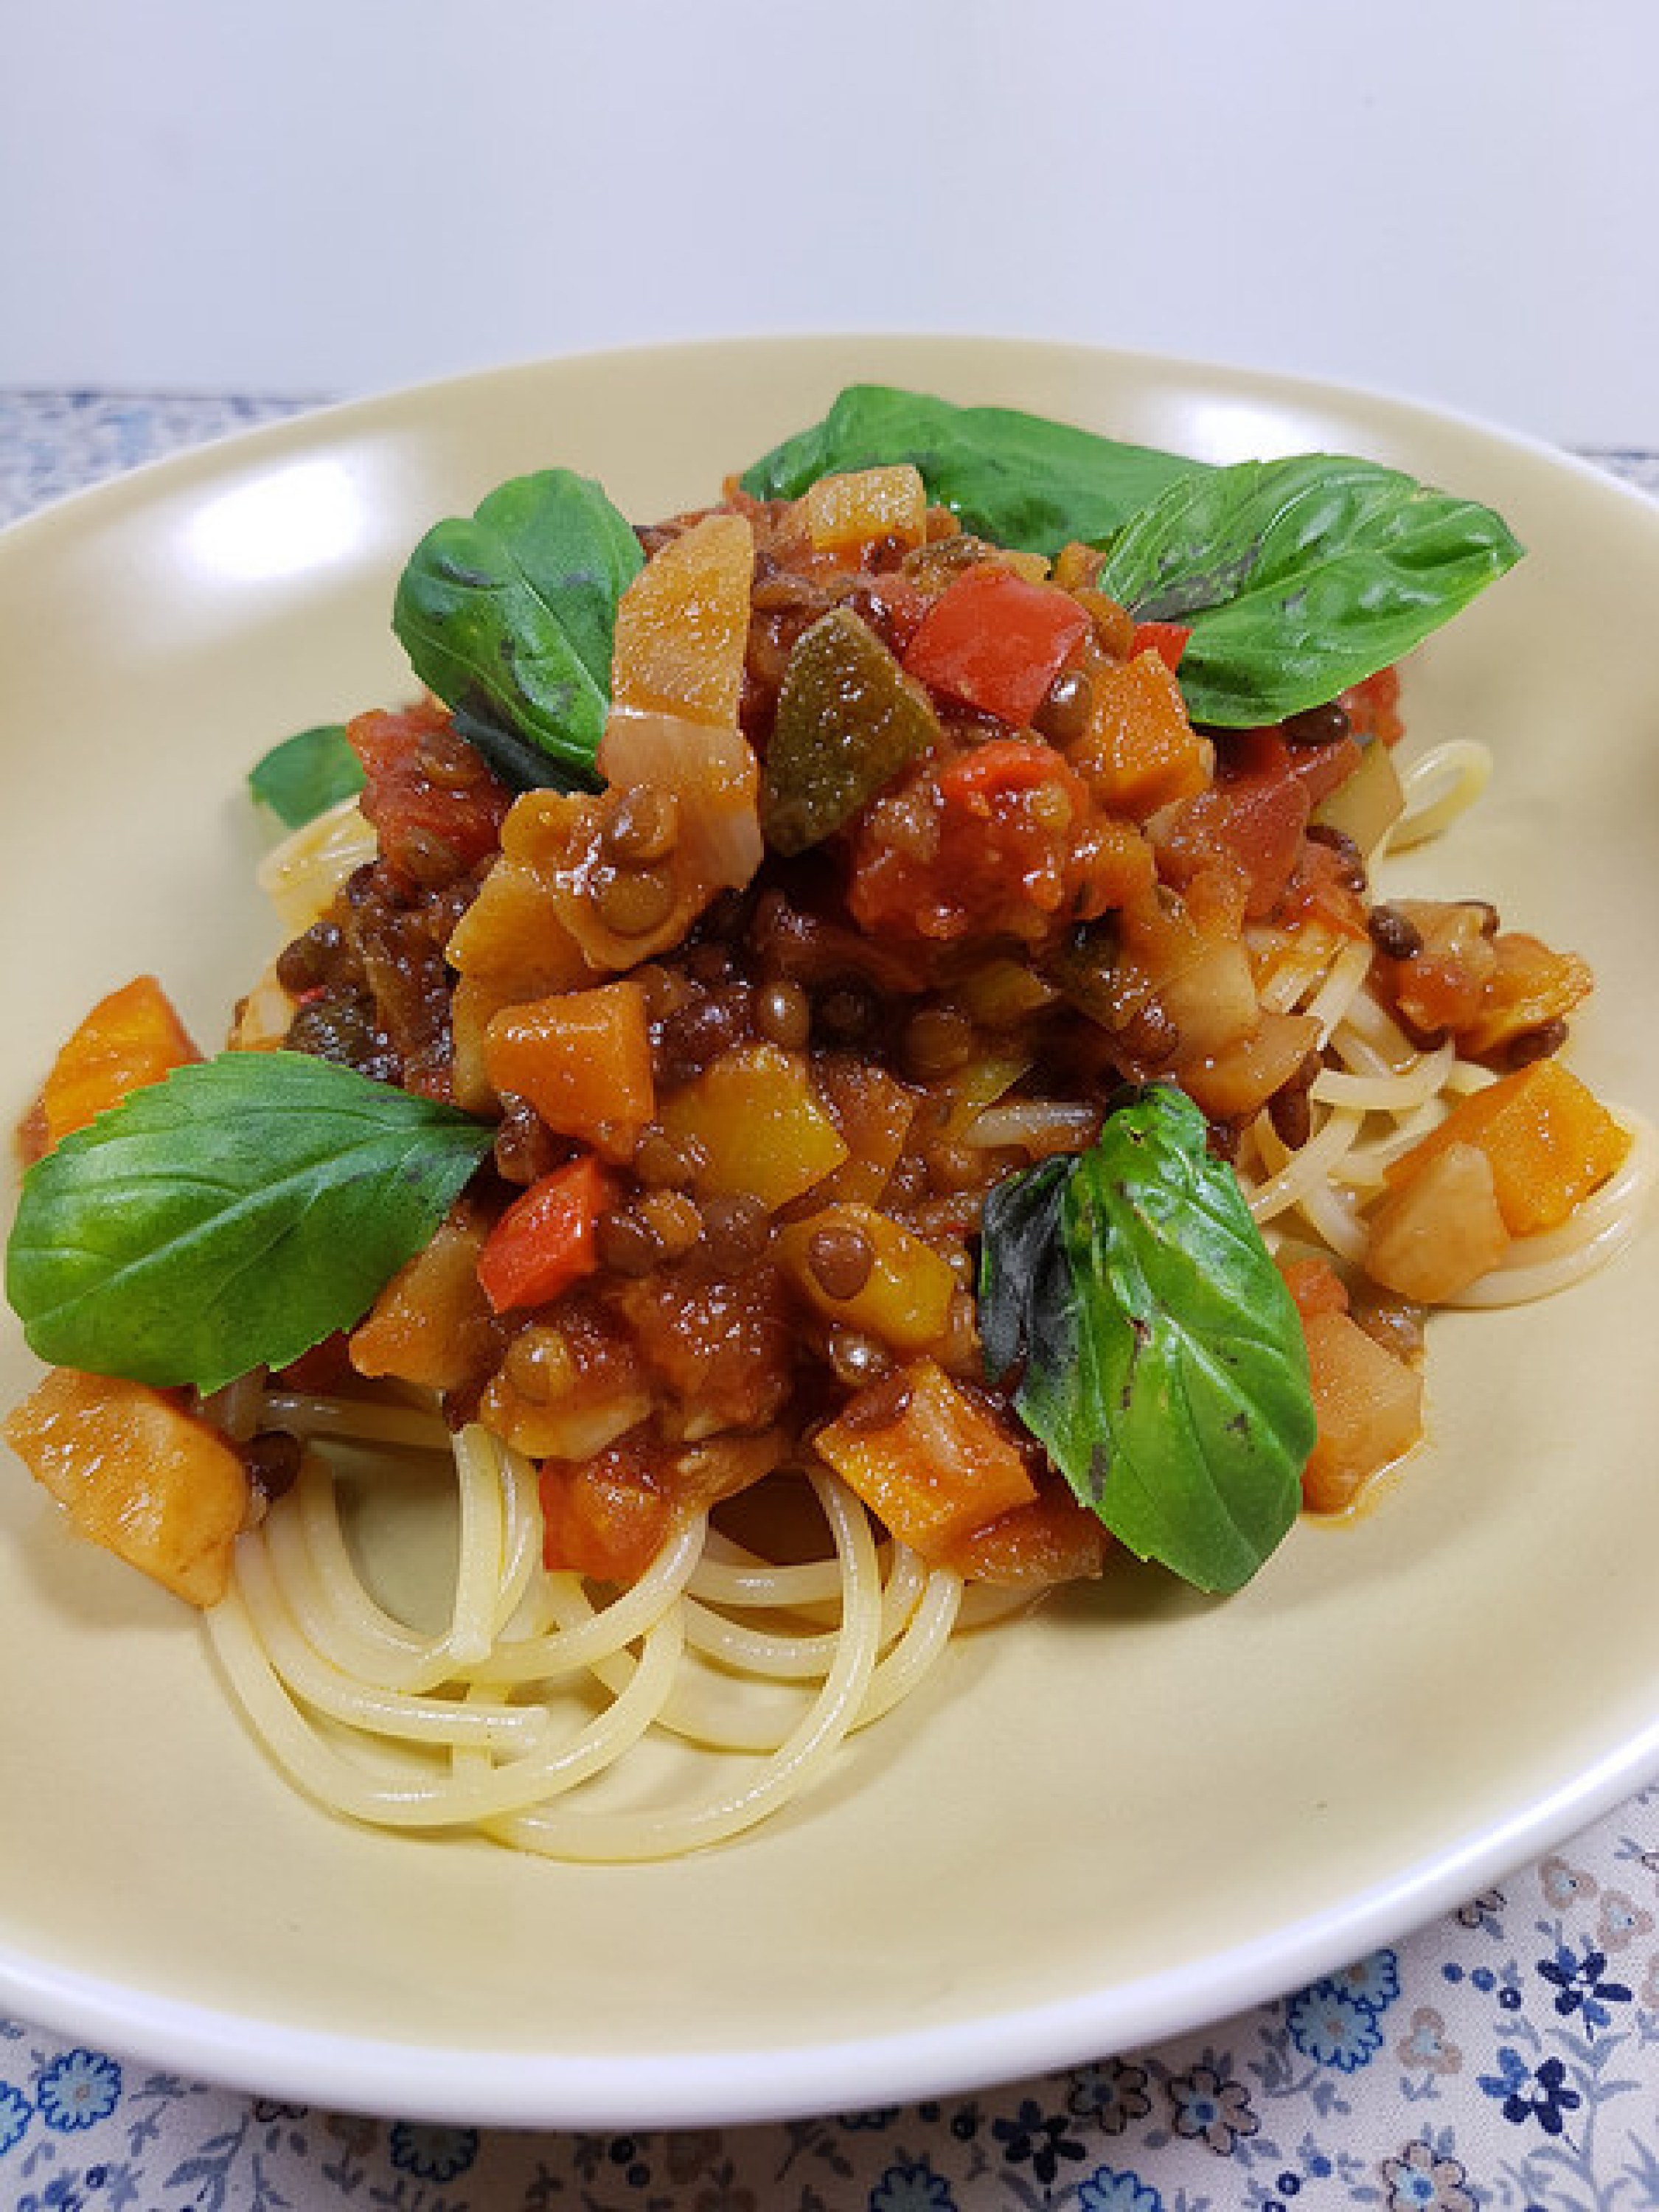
x,y
306,775
230,1216
1154,1348
1018,479
510,617
1300,577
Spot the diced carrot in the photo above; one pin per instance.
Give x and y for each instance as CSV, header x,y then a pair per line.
x,y
583,1060
138,1475
1368,1407
927,1460
682,625
130,1038
545,1242
1140,751
1549,1139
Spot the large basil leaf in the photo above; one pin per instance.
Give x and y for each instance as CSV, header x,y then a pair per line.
x,y
1017,479
1154,1349
306,775
230,1216
1300,577
510,617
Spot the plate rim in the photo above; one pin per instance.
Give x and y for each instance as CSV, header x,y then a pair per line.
x,y
475,2084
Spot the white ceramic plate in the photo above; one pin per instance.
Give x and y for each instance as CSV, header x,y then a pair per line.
x,y
1133,1813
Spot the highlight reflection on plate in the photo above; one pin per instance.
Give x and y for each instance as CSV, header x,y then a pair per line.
x,y
1131,1813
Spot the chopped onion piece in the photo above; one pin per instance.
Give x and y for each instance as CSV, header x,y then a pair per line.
x,y
711,769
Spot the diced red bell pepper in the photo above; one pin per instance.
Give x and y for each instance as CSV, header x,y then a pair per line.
x,y
992,641
545,1241
1167,640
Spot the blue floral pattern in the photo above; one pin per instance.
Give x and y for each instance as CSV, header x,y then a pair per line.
x,y
1507,2056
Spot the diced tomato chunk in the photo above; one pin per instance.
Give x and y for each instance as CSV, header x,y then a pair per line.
x,y
993,640
607,1516
451,821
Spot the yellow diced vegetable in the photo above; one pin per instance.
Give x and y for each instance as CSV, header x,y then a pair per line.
x,y
432,1324
1368,1405
755,1127
841,512
682,625
905,1296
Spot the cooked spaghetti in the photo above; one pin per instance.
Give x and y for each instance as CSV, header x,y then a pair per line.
x,y
688,1436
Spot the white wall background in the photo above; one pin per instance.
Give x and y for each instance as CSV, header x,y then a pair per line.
x,y
1452,199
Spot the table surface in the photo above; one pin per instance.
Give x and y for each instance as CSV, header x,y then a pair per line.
x,y
1507,2055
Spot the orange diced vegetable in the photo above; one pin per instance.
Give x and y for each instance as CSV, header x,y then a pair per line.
x,y
1531,985
926,1459
431,1325
130,1038
1549,1140
682,625
1139,752
756,1127
1315,1286
1441,1232
545,1242
137,1474
583,1060
607,1516
1368,1405
905,1297
866,504
1054,1539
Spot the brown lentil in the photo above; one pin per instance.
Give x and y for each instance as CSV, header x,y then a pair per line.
x,y
672,1218
1317,725
1395,934
272,1461
525,1148
736,1231
840,1257
857,1360
633,901
645,826
783,1014
539,1365
1064,715
661,1162
627,1243
1535,1044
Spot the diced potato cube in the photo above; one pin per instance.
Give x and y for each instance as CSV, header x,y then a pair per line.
x,y
926,1459
1441,1232
137,1474
865,504
682,625
1368,1405
1550,1141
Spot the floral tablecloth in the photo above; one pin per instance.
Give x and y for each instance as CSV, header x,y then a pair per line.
x,y
1506,2056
